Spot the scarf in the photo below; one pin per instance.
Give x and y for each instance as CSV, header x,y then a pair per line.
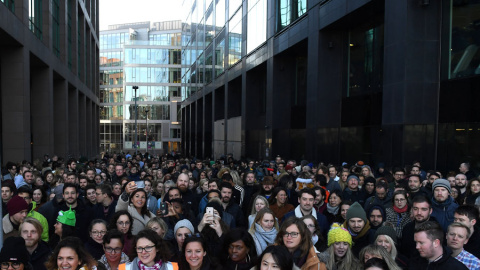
x,y
156,266
400,210
264,238
332,210
314,239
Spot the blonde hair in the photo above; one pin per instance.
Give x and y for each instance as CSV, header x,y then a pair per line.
x,y
267,205
347,262
380,251
259,217
394,252
35,223
236,178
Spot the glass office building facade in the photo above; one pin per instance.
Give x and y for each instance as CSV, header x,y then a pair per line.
x,y
148,56
335,81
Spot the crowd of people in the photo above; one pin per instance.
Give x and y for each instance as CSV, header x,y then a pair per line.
x,y
138,211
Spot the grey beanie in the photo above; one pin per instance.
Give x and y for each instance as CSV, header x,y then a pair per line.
x,y
442,183
352,176
387,229
184,223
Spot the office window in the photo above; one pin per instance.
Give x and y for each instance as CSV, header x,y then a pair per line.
x,y
70,4
256,24
464,48
220,57
235,39
366,60
10,4
219,14
35,20
233,6
56,27
288,11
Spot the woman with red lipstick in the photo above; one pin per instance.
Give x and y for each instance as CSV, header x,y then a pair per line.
x,y
296,237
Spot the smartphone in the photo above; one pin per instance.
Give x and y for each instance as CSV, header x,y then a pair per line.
x,y
163,209
210,210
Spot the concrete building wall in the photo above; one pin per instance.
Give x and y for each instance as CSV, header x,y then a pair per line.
x,y
40,83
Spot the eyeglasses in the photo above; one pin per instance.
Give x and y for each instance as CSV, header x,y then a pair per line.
x,y
113,250
123,224
291,234
6,265
194,235
400,200
99,232
310,226
147,249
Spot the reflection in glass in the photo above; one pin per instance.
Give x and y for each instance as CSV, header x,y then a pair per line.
x,y
465,39
233,6
111,95
366,60
157,112
111,77
220,14
257,24
209,66
111,112
235,39
219,57
209,28
151,93
288,11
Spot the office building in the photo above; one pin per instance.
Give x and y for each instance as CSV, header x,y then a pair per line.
x,y
333,80
144,55
49,79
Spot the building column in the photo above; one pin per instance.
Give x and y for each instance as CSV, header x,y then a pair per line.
x,y
41,108
15,91
89,128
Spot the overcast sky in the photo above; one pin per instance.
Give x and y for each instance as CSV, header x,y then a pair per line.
x,y
128,11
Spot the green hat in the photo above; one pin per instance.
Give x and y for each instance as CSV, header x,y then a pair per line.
x,y
356,211
67,217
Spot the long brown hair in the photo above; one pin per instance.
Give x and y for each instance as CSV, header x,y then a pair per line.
x,y
306,241
75,244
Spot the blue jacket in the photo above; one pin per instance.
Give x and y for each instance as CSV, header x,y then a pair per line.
x,y
443,212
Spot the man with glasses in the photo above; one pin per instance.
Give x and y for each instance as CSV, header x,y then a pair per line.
x,y
14,254
27,194
113,246
381,197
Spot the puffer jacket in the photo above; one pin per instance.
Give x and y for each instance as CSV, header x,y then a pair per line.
x,y
443,212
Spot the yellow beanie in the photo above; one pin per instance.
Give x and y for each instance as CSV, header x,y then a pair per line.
x,y
338,234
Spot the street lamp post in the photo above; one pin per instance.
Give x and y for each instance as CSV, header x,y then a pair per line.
x,y
146,130
136,137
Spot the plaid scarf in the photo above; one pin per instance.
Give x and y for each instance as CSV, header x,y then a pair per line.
x,y
156,266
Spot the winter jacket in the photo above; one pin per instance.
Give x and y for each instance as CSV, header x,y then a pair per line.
x,y
40,255
407,244
100,214
354,196
36,215
139,221
444,212
399,220
8,229
84,215
313,263
446,262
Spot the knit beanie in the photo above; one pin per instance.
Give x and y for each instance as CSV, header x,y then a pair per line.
x,y
67,217
339,234
183,223
16,204
14,250
356,211
386,229
352,176
442,183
